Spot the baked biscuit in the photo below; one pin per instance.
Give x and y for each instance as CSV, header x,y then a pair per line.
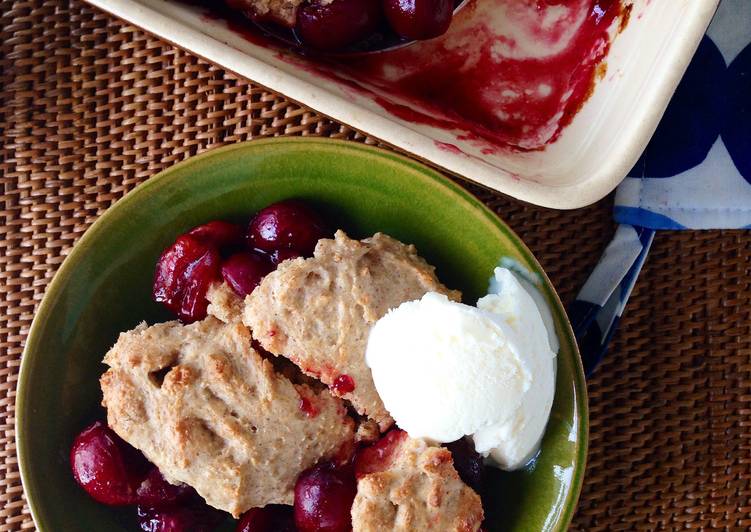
x,y
417,489
209,411
224,303
318,311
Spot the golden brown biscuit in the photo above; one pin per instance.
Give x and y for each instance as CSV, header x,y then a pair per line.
x,y
209,411
418,489
318,312
224,303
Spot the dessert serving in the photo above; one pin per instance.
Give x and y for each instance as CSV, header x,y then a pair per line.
x,y
315,382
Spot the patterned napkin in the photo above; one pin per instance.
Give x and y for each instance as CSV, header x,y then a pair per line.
x,y
694,174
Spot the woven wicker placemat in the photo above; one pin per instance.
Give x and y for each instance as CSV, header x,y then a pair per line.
x,y
92,106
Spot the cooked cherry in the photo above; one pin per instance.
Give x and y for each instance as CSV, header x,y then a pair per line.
x,y
170,269
272,518
105,466
219,233
288,224
195,518
155,491
467,462
280,255
337,24
323,499
419,19
183,275
199,277
378,457
245,270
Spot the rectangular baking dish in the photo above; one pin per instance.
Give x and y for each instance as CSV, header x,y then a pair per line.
x,y
586,161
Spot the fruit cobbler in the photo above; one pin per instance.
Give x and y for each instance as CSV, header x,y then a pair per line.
x,y
257,403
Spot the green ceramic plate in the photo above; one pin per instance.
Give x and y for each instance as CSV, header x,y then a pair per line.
x,y
103,288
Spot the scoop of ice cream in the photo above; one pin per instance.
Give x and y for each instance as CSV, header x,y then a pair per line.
x,y
512,442
445,370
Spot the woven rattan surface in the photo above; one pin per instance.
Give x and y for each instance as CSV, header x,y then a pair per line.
x,y
92,106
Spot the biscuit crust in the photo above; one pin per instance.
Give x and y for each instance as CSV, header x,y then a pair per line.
x,y
209,411
418,490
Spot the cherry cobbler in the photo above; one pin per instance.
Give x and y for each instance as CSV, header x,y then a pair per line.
x,y
257,402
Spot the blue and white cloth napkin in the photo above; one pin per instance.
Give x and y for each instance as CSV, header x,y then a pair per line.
x,y
694,174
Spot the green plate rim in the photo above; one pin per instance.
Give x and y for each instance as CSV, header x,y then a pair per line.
x,y
418,170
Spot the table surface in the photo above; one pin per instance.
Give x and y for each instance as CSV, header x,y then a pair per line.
x,y
92,106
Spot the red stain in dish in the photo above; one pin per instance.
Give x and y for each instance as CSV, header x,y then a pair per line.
x,y
445,146
508,75
478,81
343,384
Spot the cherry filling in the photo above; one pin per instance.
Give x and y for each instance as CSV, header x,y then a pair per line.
x,y
218,249
245,270
114,473
323,498
154,491
307,406
343,384
179,519
468,463
105,466
352,25
337,24
288,224
219,233
379,456
419,19
183,275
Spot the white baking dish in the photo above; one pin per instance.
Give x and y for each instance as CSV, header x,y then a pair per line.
x,y
588,159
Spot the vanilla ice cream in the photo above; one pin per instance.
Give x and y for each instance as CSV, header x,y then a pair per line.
x,y
445,370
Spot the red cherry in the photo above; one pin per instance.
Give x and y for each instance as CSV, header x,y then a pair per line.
x,y
419,19
468,463
105,466
195,518
323,499
289,224
272,518
280,255
220,234
245,270
155,491
343,384
378,457
337,24
170,268
198,277
183,275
